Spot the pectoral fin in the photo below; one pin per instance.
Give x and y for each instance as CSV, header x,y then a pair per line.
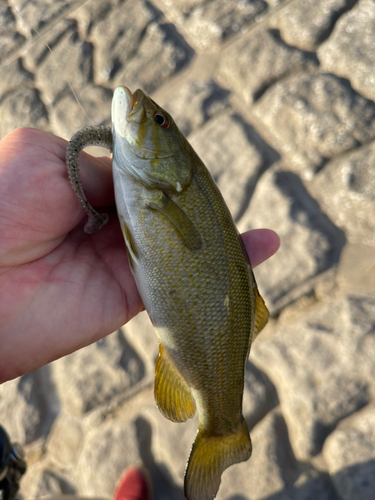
x,y
172,396
184,226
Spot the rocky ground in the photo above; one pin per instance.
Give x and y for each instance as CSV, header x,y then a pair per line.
x,y
277,97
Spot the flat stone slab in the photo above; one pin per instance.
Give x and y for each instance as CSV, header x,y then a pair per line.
x,y
270,449
106,453
140,50
350,454
307,23
192,104
322,367
256,62
10,38
350,50
65,440
28,406
45,480
91,105
345,189
170,442
310,242
36,14
69,65
91,377
20,103
235,155
90,13
211,23
260,395
14,75
272,472
23,107
314,117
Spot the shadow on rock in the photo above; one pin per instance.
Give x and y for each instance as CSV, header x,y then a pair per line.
x,y
163,484
305,210
42,407
356,481
130,360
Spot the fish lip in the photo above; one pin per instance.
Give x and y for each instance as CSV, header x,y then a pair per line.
x,y
121,93
122,104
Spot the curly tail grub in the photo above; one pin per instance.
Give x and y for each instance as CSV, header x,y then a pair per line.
x,y
89,136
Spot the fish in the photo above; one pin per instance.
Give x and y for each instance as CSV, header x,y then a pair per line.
x,y
193,275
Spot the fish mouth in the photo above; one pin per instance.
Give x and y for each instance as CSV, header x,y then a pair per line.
x,y
127,107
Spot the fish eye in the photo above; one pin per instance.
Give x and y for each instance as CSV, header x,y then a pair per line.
x,y
161,120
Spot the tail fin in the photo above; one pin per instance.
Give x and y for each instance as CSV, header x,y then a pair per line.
x,y
210,456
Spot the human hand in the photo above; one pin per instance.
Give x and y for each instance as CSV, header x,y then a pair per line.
x,y
61,289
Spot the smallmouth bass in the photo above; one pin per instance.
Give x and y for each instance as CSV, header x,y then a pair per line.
x,y
192,272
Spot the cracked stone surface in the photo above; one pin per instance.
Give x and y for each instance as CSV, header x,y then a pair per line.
x,y
277,97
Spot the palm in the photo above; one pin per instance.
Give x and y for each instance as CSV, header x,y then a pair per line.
x,y
60,289
58,284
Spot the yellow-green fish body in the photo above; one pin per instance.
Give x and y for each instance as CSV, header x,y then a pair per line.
x,y
195,281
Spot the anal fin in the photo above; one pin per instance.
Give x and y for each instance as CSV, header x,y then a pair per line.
x,y
172,395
